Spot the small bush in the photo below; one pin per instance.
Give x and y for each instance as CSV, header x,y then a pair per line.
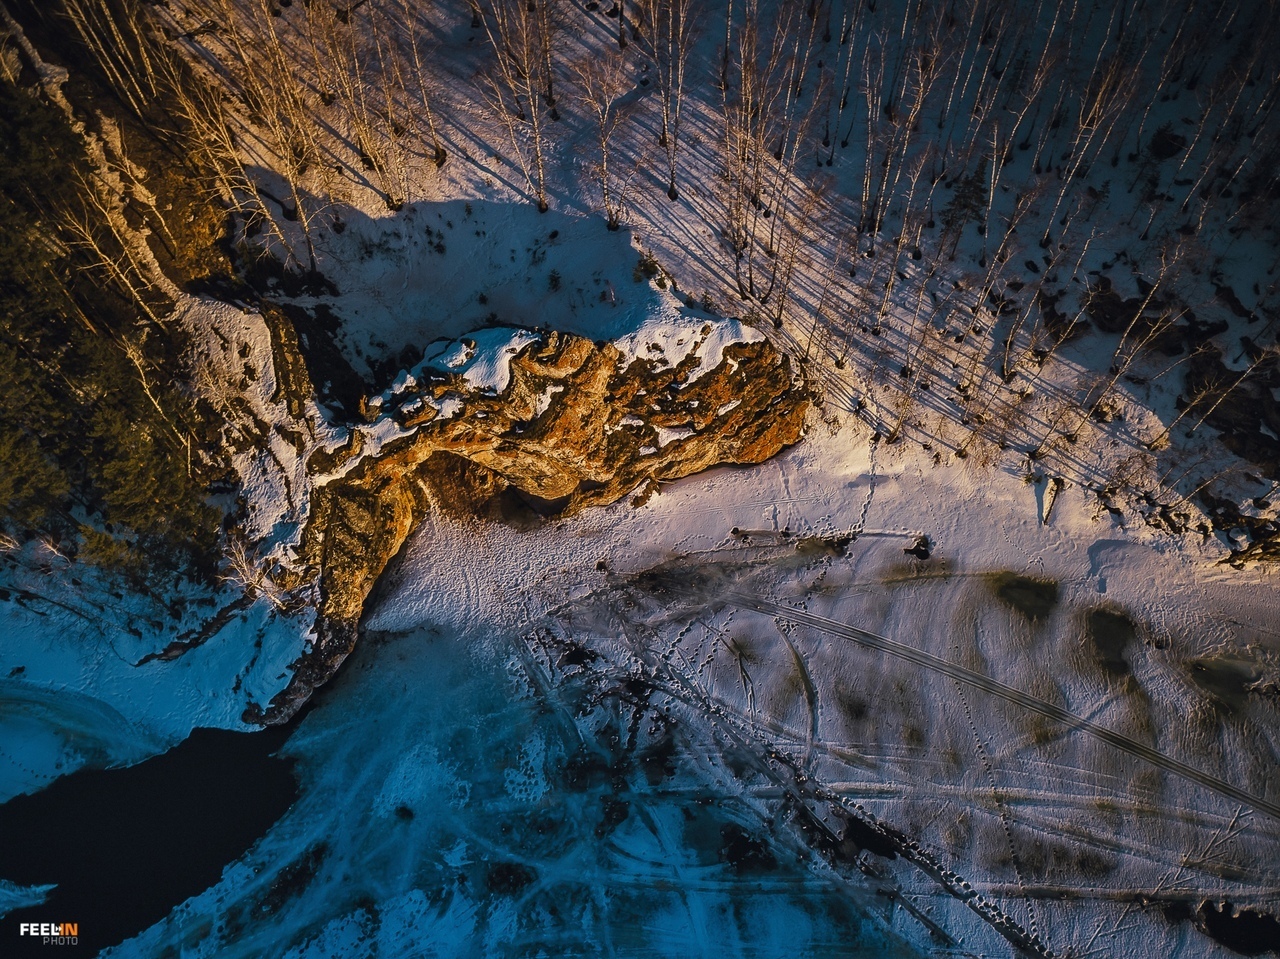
x,y
646,268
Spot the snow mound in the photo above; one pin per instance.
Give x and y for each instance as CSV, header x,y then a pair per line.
x,y
483,359
670,336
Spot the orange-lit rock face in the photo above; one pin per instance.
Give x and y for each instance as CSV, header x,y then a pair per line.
x,y
573,428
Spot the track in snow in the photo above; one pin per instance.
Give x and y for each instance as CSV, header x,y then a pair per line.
x,y
996,688
681,583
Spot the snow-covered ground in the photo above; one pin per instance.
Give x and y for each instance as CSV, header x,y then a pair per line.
x,y
101,673
465,775
939,336
87,684
538,749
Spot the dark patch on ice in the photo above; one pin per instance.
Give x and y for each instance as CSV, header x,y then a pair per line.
x,y
1093,865
702,821
575,654
743,851
1110,633
658,761
1225,679
584,770
508,878
867,837
291,881
1034,598
845,836
613,813
669,578
852,705
1177,910
125,846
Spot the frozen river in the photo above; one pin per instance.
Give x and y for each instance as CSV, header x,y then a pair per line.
x,y
455,803
732,724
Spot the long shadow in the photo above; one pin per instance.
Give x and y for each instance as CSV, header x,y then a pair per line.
x,y
390,285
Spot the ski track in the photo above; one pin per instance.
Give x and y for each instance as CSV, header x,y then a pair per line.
x,y
995,687
689,692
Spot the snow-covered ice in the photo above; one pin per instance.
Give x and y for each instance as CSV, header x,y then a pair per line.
x,y
494,695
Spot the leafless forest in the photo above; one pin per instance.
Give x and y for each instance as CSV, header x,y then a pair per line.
x,y
927,201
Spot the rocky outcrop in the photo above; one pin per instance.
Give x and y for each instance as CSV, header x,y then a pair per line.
x,y
578,424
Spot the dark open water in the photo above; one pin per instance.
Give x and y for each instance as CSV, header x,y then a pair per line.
x,y
125,846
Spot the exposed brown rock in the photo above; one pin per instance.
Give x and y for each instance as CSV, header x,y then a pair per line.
x,y
595,440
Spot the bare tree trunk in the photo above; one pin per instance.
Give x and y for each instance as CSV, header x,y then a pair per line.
x,y
601,84
669,29
517,88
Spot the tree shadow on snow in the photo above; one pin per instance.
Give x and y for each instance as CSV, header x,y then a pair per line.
x,y
387,286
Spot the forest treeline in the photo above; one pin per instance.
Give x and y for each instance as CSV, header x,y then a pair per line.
x,y
870,169
927,192
938,115
105,454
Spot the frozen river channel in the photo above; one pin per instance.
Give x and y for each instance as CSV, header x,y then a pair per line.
x,y
454,802
728,724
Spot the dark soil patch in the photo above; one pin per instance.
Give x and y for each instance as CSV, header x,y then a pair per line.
x,y
1034,598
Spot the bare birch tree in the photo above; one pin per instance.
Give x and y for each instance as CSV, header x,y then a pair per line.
x,y
766,120
668,29
415,12
602,84
518,85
